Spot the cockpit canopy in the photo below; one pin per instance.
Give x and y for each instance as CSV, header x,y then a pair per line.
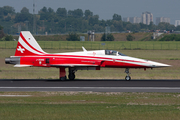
x,y
113,52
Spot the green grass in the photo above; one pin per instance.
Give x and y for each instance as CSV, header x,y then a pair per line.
x,y
90,105
115,45
88,111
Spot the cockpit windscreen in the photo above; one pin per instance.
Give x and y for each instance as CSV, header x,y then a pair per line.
x,y
113,52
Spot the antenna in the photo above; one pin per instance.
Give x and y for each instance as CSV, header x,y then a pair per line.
x,y
34,17
84,49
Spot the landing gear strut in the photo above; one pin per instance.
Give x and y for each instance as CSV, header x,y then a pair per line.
x,y
127,78
62,73
71,74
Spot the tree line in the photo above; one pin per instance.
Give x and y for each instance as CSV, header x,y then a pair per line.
x,y
3,36
64,21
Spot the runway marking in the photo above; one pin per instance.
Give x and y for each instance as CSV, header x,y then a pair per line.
x,y
155,88
15,95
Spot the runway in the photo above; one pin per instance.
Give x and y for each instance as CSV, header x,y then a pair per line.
x,y
90,85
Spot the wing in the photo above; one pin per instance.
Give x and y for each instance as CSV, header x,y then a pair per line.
x,y
73,65
92,64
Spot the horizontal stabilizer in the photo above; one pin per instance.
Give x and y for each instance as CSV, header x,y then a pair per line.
x,y
22,65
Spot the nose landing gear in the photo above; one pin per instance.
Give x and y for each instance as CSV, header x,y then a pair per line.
x,y
127,78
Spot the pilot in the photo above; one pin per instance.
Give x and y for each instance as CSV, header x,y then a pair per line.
x,y
110,52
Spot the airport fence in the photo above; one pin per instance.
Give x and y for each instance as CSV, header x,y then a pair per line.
x,y
115,45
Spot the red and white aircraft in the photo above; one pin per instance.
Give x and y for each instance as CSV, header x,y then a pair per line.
x,y
29,53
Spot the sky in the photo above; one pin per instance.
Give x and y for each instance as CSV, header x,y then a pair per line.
x,y
105,8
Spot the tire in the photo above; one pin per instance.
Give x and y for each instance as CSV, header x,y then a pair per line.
x,y
127,78
71,76
63,78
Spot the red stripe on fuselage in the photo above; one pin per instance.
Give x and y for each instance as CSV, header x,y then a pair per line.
x,y
35,61
93,57
77,59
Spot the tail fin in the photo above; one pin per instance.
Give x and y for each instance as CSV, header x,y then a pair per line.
x,y
27,45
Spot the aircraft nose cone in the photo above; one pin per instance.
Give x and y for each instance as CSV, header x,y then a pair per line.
x,y
156,64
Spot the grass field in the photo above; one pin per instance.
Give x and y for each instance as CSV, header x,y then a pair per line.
x,y
92,105
89,105
116,45
170,57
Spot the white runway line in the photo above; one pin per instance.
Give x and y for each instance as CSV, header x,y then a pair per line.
x,y
15,95
135,88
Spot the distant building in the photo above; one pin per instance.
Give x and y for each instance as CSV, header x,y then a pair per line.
x,y
162,19
132,19
126,19
177,22
147,17
135,19
138,20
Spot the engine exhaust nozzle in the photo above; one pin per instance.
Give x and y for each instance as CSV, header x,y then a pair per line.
x,y
12,60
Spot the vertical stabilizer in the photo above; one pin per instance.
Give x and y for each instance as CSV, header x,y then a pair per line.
x,y
27,45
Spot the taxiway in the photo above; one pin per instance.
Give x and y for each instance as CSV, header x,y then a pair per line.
x,y
90,85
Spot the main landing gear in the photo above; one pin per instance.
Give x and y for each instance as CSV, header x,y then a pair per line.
x,y
62,73
71,74
127,78
63,78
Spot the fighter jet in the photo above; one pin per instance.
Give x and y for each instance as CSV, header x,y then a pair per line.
x,y
29,54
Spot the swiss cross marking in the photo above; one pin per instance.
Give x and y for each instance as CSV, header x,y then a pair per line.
x,y
21,49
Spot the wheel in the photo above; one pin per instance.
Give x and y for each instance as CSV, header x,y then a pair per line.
x,y
71,76
63,78
127,78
